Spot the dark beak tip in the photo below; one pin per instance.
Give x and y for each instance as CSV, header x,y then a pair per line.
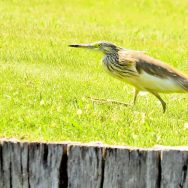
x,y
73,45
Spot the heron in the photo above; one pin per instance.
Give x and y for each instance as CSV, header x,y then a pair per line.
x,y
140,70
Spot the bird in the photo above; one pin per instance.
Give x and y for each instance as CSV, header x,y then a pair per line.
x,y
140,70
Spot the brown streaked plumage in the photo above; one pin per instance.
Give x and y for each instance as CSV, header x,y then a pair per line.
x,y
140,70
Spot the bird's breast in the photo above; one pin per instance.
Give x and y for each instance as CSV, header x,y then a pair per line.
x,y
116,70
112,70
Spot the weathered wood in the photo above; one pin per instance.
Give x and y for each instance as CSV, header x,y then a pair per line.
x,y
44,165
5,174
73,165
131,168
19,164
1,166
174,166
84,166
33,165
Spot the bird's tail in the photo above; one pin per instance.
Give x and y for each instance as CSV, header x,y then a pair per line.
x,y
183,82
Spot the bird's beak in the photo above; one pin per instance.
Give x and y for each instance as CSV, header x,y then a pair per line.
x,y
89,46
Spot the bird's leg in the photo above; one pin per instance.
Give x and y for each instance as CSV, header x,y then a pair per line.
x,y
135,95
161,100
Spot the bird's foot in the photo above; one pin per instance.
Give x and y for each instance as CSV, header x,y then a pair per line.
x,y
103,101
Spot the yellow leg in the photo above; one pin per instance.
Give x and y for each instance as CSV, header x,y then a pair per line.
x,y
160,99
135,95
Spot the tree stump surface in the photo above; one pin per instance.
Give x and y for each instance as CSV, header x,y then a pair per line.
x,y
93,165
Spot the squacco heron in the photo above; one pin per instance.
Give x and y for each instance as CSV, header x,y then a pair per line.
x,y
140,70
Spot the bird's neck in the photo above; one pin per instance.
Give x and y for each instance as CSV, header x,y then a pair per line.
x,y
110,58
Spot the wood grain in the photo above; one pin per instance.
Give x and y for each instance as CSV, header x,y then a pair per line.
x,y
75,165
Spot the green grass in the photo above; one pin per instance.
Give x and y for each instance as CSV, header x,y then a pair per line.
x,y
44,84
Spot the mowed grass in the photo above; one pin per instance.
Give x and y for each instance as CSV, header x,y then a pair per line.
x,y
44,84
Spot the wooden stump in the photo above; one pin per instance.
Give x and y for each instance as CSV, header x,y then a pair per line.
x,y
174,169
85,166
131,168
73,165
32,165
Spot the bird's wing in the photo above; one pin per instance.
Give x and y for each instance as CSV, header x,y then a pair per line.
x,y
145,63
155,72
158,68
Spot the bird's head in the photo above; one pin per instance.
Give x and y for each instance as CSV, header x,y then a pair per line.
x,y
105,47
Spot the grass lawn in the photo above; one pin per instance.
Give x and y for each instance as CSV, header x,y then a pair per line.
x,y
44,83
